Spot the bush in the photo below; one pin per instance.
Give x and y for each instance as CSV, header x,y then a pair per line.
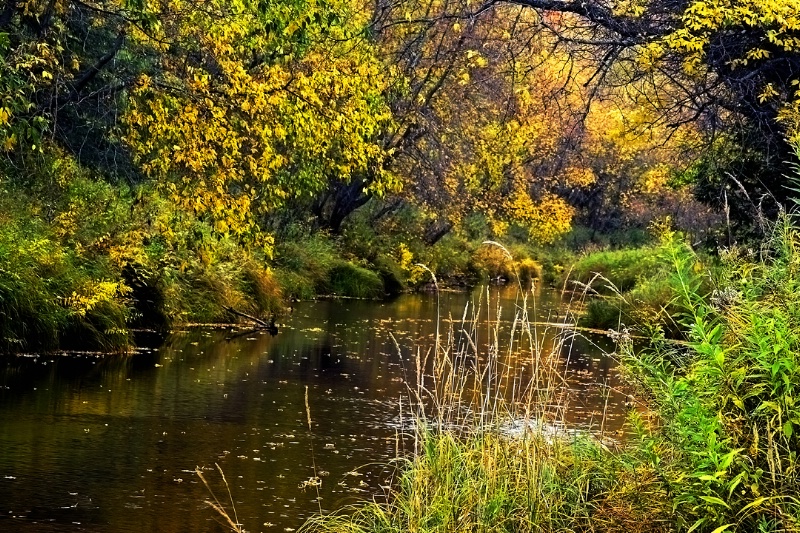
x,y
347,279
727,445
613,271
528,270
493,262
48,296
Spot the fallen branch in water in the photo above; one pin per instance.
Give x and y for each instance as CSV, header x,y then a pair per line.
x,y
267,325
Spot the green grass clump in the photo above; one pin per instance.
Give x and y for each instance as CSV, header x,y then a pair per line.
x,y
630,288
612,271
312,265
347,279
491,483
602,313
727,438
649,304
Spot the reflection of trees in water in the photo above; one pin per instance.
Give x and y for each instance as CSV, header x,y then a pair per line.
x,y
205,393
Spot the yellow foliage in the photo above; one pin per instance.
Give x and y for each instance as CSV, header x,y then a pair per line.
x,y
546,220
405,258
93,294
579,176
773,23
655,178
237,141
494,262
528,270
789,115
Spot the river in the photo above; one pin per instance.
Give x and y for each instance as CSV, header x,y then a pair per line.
x,y
110,443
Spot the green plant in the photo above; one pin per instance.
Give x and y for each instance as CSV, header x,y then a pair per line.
x,y
469,473
613,271
726,400
347,279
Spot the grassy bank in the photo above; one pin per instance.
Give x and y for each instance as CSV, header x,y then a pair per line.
x,y
633,287
716,450
82,262
488,483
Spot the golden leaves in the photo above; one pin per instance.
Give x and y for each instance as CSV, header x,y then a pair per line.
x,y
237,140
546,220
94,293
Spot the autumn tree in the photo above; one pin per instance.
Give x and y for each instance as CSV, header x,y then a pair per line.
x,y
472,127
259,105
729,67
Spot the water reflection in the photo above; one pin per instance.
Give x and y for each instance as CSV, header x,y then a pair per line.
x,y
111,443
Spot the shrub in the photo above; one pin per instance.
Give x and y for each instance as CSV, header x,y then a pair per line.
x,y
47,296
493,262
614,271
347,279
528,270
728,438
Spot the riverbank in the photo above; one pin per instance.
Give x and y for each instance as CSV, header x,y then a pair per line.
x,y
134,264
82,263
714,451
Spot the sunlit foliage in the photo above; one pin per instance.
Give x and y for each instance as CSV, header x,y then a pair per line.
x,y
251,115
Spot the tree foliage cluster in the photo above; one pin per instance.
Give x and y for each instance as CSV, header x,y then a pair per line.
x,y
240,121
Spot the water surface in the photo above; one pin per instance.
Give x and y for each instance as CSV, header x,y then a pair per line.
x,y
110,444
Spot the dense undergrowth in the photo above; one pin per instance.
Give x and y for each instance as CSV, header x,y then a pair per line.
x,y
83,261
716,449
726,443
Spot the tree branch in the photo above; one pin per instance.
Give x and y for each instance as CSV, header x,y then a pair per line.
x,y
89,74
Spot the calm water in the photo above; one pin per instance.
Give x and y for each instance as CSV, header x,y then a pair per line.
x,y
111,443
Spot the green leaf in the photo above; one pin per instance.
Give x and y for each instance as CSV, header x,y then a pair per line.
x,y
715,501
720,529
754,503
727,459
700,522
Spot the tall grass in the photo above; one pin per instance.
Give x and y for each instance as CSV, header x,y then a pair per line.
x,y
716,450
490,447
632,288
81,269
726,401
48,298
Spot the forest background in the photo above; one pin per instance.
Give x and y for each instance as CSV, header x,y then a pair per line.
x,y
169,161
